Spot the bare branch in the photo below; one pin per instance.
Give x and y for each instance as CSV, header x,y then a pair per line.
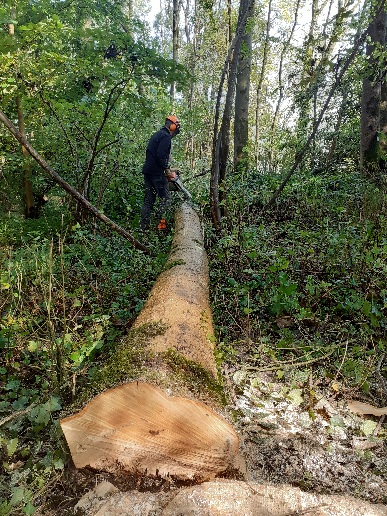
x,y
74,193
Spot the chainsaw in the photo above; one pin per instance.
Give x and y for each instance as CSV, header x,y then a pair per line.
x,y
175,183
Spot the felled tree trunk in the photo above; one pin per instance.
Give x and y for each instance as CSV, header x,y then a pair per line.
x,y
140,426
180,299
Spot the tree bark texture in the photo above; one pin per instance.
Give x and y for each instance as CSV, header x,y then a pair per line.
x,y
242,99
29,203
266,48
370,151
180,296
221,140
175,41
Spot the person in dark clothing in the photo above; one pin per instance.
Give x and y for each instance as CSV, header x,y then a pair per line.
x,y
156,163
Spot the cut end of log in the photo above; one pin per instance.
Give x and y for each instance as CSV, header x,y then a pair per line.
x,y
138,428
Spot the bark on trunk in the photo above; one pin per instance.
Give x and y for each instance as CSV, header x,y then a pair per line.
x,y
138,427
370,151
221,140
180,298
242,101
175,41
29,203
266,49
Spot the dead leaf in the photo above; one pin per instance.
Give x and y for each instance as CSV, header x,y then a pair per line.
x,y
364,408
335,386
285,321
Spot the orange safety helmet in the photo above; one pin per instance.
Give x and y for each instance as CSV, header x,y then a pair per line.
x,y
175,122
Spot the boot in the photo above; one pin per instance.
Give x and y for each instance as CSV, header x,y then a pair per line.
x,y
162,224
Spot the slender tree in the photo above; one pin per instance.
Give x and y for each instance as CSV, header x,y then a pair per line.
x,y
29,202
221,141
372,113
242,96
175,41
265,54
281,86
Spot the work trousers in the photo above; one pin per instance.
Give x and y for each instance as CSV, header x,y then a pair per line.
x,y
154,186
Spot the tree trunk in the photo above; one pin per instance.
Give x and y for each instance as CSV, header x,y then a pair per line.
x,y
336,131
29,203
308,65
266,47
175,41
180,297
242,100
137,427
281,85
221,140
370,149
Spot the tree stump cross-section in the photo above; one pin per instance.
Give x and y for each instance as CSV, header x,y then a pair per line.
x,y
138,428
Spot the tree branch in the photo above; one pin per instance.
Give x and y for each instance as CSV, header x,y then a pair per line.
x,y
74,193
301,154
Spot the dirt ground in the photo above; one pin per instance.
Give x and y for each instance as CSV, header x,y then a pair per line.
x,y
305,435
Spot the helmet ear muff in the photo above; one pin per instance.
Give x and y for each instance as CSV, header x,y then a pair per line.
x,y
175,123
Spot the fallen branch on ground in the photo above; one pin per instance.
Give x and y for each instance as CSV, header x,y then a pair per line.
x,y
68,188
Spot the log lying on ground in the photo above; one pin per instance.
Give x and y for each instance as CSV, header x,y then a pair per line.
x,y
224,498
179,298
137,427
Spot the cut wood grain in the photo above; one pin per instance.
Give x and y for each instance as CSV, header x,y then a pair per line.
x,y
139,428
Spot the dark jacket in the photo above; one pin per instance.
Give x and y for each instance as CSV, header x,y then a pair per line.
x,y
157,153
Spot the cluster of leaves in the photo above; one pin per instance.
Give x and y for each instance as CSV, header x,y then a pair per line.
x,y
307,279
67,298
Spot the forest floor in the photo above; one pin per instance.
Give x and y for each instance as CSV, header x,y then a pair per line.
x,y
299,432
303,434
288,391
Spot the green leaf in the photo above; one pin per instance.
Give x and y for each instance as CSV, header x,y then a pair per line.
x,y
337,421
32,346
11,446
29,508
58,463
18,496
75,356
54,404
295,396
368,427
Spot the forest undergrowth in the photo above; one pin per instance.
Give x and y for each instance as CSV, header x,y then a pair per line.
x,y
294,289
305,282
299,299
69,294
